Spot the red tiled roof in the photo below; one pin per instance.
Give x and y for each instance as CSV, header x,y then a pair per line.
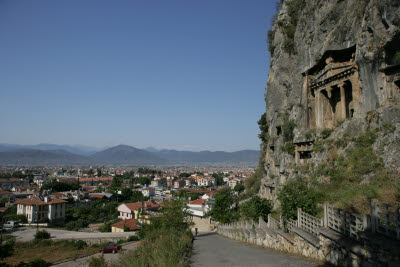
x,y
130,223
95,179
138,205
35,201
56,201
198,201
31,201
5,193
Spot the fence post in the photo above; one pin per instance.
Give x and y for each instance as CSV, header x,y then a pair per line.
x,y
373,218
299,217
259,222
269,221
325,215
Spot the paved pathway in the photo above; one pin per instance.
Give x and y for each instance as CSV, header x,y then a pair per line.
x,y
211,249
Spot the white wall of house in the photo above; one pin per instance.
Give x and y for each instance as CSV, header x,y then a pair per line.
x,y
125,212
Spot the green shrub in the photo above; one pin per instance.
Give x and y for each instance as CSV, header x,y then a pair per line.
x,y
388,128
366,139
255,208
43,234
294,195
98,261
159,251
318,146
253,183
34,263
288,147
80,244
7,249
308,135
287,127
325,133
263,125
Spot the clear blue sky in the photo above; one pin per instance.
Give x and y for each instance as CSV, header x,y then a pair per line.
x,y
170,74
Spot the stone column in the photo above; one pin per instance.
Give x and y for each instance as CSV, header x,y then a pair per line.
x,y
342,101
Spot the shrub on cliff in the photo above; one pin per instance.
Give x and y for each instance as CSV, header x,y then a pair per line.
x,y
255,208
295,194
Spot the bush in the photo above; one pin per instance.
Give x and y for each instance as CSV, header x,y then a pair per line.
x,y
43,234
288,147
98,261
159,251
294,195
133,238
287,127
255,208
318,146
325,133
34,263
309,135
80,244
7,249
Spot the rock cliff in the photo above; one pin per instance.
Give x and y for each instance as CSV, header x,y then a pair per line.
x,y
334,82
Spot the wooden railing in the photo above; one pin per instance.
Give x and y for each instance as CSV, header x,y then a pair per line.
x,y
290,225
272,223
308,223
385,219
345,222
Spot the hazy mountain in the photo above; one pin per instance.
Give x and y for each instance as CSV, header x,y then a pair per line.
x,y
50,154
76,149
40,157
126,155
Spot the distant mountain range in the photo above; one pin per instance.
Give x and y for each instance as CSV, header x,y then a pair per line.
x,y
121,155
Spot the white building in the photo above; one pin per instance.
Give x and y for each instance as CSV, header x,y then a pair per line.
x,y
205,181
148,192
38,209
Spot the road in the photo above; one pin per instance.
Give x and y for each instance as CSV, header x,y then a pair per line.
x,y
109,257
211,249
27,234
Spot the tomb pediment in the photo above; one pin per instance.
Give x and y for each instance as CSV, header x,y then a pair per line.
x,y
332,88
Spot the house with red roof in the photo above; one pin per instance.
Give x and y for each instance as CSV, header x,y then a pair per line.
x,y
132,210
41,209
125,225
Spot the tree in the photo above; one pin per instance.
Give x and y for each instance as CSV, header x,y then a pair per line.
x,y
294,195
184,175
98,172
43,234
116,183
7,249
263,125
174,218
144,180
126,193
137,196
218,178
255,208
239,188
222,210
60,187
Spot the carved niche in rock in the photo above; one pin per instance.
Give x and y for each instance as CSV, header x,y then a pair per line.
x,y
332,89
391,71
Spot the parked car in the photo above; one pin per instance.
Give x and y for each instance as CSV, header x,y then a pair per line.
x,y
112,248
11,224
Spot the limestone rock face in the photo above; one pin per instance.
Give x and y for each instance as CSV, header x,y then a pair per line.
x,y
333,63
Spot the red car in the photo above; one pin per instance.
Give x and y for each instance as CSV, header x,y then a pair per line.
x,y
113,248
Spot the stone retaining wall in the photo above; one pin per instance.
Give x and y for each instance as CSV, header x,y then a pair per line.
x,y
327,246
